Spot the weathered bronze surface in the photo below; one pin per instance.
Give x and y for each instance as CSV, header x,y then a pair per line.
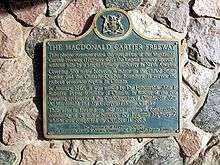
x,y
123,4
111,82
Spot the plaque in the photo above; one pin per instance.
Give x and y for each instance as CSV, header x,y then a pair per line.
x,y
111,83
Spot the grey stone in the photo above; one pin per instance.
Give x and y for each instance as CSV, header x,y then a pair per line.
x,y
159,152
33,45
135,158
149,28
211,155
123,4
17,79
198,77
7,157
103,150
55,7
207,8
204,41
171,13
34,49
209,119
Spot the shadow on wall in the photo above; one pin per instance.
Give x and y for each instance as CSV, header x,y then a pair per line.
x,y
38,79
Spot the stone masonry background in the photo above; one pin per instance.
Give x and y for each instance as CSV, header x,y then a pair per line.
x,y
23,27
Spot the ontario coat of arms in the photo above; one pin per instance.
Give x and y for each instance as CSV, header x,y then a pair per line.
x,y
112,24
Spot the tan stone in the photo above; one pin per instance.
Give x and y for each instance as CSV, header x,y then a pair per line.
x,y
198,77
188,103
106,150
210,8
20,123
40,155
189,142
16,79
29,12
192,140
75,17
174,14
203,41
146,26
210,155
11,37
3,110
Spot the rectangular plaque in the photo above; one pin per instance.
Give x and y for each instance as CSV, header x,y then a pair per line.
x,y
111,83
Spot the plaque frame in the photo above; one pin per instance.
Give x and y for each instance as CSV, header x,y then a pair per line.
x,y
114,136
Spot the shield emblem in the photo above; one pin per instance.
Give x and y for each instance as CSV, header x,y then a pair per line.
x,y
112,25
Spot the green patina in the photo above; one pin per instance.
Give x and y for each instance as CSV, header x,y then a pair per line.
x,y
111,83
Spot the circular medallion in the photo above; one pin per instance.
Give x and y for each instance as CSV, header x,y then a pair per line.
x,y
113,24
123,4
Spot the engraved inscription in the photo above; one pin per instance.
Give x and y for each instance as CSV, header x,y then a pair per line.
x,y
112,88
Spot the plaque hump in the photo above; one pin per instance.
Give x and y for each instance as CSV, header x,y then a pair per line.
x,y
111,82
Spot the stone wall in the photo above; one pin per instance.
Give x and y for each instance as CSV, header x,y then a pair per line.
x,y
23,27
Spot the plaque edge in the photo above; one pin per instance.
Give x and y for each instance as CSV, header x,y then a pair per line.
x,y
115,136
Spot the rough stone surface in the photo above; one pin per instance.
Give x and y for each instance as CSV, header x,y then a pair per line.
x,y
204,41
147,27
209,8
189,141
135,158
16,79
107,150
21,79
40,155
3,10
34,49
33,45
188,103
211,156
76,18
209,119
184,55
160,151
7,157
3,110
20,124
30,12
56,6
123,4
11,37
198,77
171,13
